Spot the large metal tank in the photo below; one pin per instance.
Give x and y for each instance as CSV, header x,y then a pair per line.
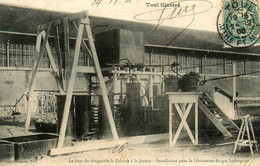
x,y
160,115
171,84
133,115
70,126
79,116
82,114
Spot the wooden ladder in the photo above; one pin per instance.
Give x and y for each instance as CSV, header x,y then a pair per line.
x,y
246,142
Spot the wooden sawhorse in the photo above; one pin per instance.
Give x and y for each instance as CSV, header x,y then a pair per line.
x,y
240,138
185,98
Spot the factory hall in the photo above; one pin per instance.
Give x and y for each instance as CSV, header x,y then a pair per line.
x,y
81,89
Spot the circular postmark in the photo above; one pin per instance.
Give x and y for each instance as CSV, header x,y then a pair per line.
x,y
238,23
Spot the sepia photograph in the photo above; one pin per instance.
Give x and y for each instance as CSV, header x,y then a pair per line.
x,y
130,82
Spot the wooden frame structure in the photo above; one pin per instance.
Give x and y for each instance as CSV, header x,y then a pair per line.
x,y
246,120
184,99
66,81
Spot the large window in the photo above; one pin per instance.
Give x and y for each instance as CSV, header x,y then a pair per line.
x,y
206,63
2,54
22,55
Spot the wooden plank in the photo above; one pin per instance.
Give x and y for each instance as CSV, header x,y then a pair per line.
x,y
248,137
101,144
234,88
67,51
59,56
246,142
183,123
87,146
48,49
243,132
170,124
187,111
101,82
214,120
151,88
145,139
86,69
8,54
71,17
89,55
70,88
39,53
44,26
196,124
252,130
53,66
238,137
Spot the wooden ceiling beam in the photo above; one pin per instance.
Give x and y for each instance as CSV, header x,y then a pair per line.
x,y
71,17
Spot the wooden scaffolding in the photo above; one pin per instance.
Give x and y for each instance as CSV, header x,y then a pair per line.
x,y
65,80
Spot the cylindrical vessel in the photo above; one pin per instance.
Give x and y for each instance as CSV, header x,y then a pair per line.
x,y
133,116
82,114
70,126
171,84
79,116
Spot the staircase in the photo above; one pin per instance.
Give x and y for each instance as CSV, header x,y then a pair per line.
x,y
223,123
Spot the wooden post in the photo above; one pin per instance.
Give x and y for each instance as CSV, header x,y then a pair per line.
x,y
145,101
8,54
180,99
42,104
101,80
201,65
70,88
66,51
39,53
115,88
244,65
177,62
59,57
196,124
234,88
115,84
224,66
151,87
170,123
249,139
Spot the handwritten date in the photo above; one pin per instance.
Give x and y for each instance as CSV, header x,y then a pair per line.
x,y
110,2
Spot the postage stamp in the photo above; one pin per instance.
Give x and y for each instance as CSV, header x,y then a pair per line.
x,y
238,23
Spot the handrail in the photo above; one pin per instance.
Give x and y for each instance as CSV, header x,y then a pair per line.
x,y
221,91
222,112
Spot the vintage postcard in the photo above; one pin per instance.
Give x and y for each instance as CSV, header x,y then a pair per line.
x,y
130,82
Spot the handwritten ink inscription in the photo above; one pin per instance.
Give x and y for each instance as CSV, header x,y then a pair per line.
x,y
119,148
110,2
174,10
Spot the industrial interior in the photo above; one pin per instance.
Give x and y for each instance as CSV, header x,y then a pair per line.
x,y
74,83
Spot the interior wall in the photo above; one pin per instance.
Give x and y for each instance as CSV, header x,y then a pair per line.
x,y
13,84
246,86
